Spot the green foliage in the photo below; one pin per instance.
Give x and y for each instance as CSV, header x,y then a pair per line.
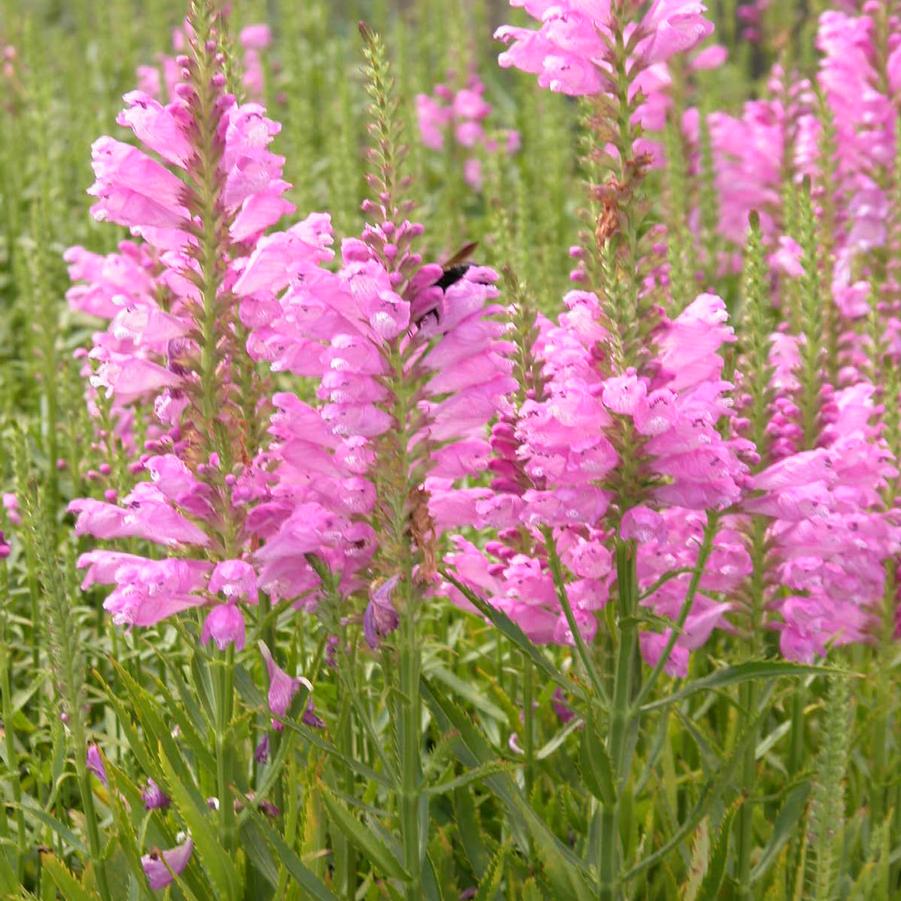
x,y
753,778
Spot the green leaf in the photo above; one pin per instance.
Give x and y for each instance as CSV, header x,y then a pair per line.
x,y
258,853
315,739
305,877
9,882
716,868
565,871
477,774
550,746
70,888
470,831
742,672
63,831
700,855
597,770
490,883
784,828
710,790
467,691
365,840
136,744
193,808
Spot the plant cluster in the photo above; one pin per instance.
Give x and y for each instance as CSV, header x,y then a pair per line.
x,y
339,563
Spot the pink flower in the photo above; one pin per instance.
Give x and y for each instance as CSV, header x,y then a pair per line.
x,y
652,645
643,525
148,591
96,765
224,624
256,37
160,128
134,190
154,797
146,514
569,53
461,115
432,119
343,327
161,867
236,579
11,508
380,618
282,687
152,354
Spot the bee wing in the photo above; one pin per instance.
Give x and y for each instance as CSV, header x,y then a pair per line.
x,y
461,255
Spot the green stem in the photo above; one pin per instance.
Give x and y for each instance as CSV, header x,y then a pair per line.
x,y
757,588
624,718
796,746
746,813
885,708
224,706
409,725
345,858
562,596
684,612
87,800
627,672
528,716
609,853
12,762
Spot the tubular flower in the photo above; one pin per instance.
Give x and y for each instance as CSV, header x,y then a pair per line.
x,y
282,687
670,544
161,867
570,52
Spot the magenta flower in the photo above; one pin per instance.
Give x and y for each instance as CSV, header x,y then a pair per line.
x,y
341,327
380,618
224,624
161,867
96,765
256,37
282,687
135,190
559,468
147,591
11,508
673,544
236,579
569,52
154,797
